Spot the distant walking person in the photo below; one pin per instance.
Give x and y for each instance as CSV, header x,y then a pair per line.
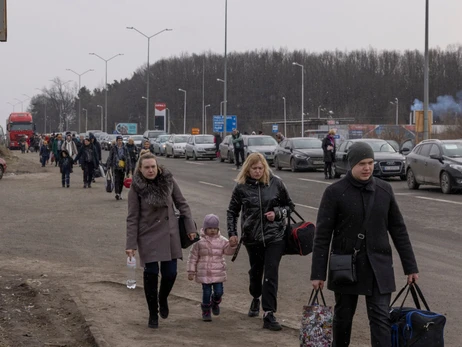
x,y
328,147
356,216
44,153
65,166
89,161
119,162
70,146
238,144
57,145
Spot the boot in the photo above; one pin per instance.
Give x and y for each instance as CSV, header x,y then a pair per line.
x,y
166,285
150,291
216,306
254,310
206,315
270,322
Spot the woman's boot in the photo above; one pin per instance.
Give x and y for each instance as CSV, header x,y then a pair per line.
x,y
166,285
150,291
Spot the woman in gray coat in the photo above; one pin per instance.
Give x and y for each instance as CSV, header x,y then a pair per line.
x,y
152,229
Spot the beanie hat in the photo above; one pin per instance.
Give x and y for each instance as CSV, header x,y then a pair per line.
x,y
359,151
211,221
118,137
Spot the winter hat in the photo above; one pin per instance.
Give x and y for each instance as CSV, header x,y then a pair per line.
x,y
211,221
359,151
119,137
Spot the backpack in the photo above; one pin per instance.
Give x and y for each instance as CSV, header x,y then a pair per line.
x,y
414,326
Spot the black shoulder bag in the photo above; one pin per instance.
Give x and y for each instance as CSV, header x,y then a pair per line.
x,y
342,267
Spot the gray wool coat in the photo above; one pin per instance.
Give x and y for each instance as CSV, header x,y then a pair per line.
x,y
152,226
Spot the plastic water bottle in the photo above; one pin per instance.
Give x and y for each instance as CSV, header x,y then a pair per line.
x,y
131,272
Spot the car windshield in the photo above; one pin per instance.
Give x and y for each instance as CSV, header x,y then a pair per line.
x,y
137,138
153,134
453,149
200,140
163,138
180,139
381,146
262,141
307,143
21,126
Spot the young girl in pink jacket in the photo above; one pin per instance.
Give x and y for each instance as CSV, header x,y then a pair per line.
x,y
207,264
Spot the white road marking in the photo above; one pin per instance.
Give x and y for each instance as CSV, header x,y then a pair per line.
x,y
211,184
194,163
404,194
306,206
316,181
439,200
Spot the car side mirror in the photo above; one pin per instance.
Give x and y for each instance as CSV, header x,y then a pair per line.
x,y
435,156
287,147
404,150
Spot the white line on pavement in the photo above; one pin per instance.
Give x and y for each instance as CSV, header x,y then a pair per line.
x,y
306,206
316,181
211,184
439,200
193,163
404,194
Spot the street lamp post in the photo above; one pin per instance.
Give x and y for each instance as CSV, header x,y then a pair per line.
x,y
11,105
147,70
105,85
101,107
167,113
395,103
205,117
426,75
184,116
285,116
20,102
86,119
303,96
225,87
80,75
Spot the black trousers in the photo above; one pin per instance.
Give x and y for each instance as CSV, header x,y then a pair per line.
x,y
328,168
239,152
119,176
377,312
88,168
264,262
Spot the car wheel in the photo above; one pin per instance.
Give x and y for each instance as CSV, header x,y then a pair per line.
x,y
276,164
186,155
445,183
1,171
166,154
194,156
293,166
335,173
411,181
403,177
221,159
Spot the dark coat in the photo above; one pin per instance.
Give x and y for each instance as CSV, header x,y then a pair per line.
x,y
329,156
65,163
133,153
96,144
152,226
83,154
254,199
44,151
113,159
340,218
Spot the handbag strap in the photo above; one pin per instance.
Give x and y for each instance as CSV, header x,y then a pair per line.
x,y
314,297
416,294
361,236
291,219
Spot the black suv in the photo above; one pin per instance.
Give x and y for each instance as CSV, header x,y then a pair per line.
x,y
435,162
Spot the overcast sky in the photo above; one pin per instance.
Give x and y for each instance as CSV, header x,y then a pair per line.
x,y
47,36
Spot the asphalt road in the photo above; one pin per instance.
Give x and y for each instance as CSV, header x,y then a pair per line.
x,y
79,236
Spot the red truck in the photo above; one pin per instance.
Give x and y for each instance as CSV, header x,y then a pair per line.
x,y
18,125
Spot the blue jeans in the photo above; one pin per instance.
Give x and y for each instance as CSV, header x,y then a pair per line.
x,y
168,269
207,292
66,177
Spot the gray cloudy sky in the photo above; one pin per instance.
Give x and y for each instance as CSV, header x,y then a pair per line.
x,y
47,36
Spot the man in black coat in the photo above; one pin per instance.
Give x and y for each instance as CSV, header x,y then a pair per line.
x,y
341,216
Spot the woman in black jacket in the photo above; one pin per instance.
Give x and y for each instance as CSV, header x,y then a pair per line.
x,y
89,161
265,203
328,147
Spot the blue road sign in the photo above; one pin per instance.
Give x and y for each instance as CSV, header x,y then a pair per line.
x,y
336,137
275,128
231,123
218,124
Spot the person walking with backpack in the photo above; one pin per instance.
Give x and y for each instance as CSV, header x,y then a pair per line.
x,y
119,162
89,161
357,215
207,265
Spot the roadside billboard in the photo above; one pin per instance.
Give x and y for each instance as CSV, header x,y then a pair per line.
x,y
160,110
127,128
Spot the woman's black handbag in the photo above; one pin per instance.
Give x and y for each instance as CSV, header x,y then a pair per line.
x,y
299,236
184,238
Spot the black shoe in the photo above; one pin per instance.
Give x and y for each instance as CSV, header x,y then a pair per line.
x,y
206,314
94,180
89,185
216,307
68,186
163,308
254,310
270,322
63,185
153,322
117,197
85,186
326,177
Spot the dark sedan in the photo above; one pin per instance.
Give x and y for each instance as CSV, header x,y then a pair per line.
x,y
299,153
387,162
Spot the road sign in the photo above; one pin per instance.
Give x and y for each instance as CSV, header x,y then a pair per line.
x,y
218,123
275,128
195,131
336,137
231,123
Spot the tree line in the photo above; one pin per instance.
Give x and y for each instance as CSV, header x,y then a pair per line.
x,y
357,85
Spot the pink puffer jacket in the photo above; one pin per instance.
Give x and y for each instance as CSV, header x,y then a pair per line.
x,y
206,259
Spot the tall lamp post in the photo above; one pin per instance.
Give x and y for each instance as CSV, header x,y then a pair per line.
x,y
225,87
86,119
20,102
105,85
221,110
80,75
167,114
101,107
147,69
285,116
303,96
205,117
11,105
395,103
184,116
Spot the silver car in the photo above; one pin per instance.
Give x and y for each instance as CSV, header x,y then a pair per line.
x,y
175,145
227,150
200,146
160,143
263,144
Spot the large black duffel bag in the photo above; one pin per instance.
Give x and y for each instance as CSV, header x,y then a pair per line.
x,y
299,236
414,326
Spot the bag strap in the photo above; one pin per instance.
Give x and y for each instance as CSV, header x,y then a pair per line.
x,y
361,236
415,288
399,294
314,297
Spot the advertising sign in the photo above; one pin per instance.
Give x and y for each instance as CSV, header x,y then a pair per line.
x,y
160,110
127,128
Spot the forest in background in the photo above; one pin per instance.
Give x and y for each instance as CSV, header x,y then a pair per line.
x,y
358,84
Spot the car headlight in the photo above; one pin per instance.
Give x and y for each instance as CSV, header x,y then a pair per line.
x,y
456,167
301,156
163,146
200,149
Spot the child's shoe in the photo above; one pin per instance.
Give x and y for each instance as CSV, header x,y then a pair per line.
x,y
206,314
216,306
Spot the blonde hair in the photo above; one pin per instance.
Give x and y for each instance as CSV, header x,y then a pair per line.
x,y
131,141
331,132
144,157
252,159
144,151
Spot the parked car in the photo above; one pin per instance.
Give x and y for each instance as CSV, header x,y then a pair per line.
x,y
2,167
394,144
107,141
263,144
435,162
151,135
175,145
137,140
407,146
387,163
200,146
299,153
226,150
160,144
